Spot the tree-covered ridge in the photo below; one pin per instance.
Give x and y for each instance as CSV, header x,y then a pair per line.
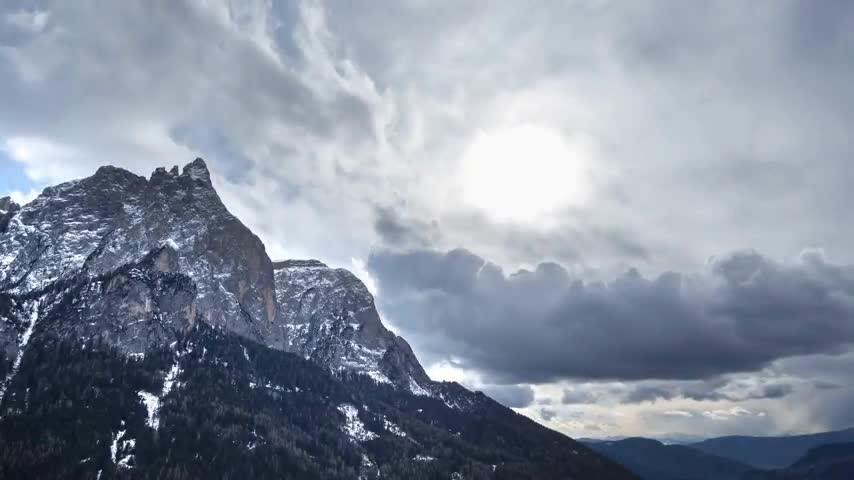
x,y
237,409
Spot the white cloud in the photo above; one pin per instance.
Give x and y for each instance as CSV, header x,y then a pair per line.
x,y
357,266
726,414
678,413
44,161
21,198
31,21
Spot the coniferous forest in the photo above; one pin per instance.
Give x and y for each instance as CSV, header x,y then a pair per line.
x,y
241,410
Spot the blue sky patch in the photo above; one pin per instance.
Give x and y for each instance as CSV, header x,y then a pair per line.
x,y
12,176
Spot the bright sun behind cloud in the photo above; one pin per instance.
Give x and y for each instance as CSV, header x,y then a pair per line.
x,y
525,173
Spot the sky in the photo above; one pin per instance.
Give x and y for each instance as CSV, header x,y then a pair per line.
x,y
618,218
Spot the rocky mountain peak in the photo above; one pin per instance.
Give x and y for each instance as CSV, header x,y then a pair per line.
x,y
330,317
194,174
8,205
197,170
95,226
114,218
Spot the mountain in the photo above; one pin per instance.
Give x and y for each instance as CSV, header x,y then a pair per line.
x,y
770,452
667,439
145,333
833,461
679,438
653,460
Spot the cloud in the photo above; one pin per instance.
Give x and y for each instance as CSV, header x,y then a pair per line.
x,y
652,393
513,396
677,413
547,414
30,21
593,393
738,314
21,198
825,385
396,231
726,414
740,388
578,396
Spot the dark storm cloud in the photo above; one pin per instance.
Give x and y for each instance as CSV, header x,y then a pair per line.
x,y
740,313
712,390
779,390
547,414
826,403
825,385
565,242
513,396
578,396
395,230
213,143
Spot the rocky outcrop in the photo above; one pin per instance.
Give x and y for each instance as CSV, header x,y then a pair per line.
x,y
8,209
138,306
330,317
115,218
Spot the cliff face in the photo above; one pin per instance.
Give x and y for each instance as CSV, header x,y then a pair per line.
x,y
330,318
113,218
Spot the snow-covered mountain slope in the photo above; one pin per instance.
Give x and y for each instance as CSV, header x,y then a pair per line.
x,y
330,318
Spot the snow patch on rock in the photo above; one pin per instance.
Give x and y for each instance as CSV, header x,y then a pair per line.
x,y
393,428
152,405
353,426
122,450
152,402
22,348
417,389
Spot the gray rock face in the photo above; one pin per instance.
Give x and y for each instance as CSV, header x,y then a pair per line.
x,y
114,218
133,308
330,318
142,234
8,208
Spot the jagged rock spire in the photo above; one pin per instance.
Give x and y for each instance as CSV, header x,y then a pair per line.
x,y
8,205
197,170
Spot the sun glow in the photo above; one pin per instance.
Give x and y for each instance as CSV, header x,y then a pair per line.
x,y
525,173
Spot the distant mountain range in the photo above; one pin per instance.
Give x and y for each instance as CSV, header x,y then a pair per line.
x,y
653,460
834,461
821,456
667,439
771,452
